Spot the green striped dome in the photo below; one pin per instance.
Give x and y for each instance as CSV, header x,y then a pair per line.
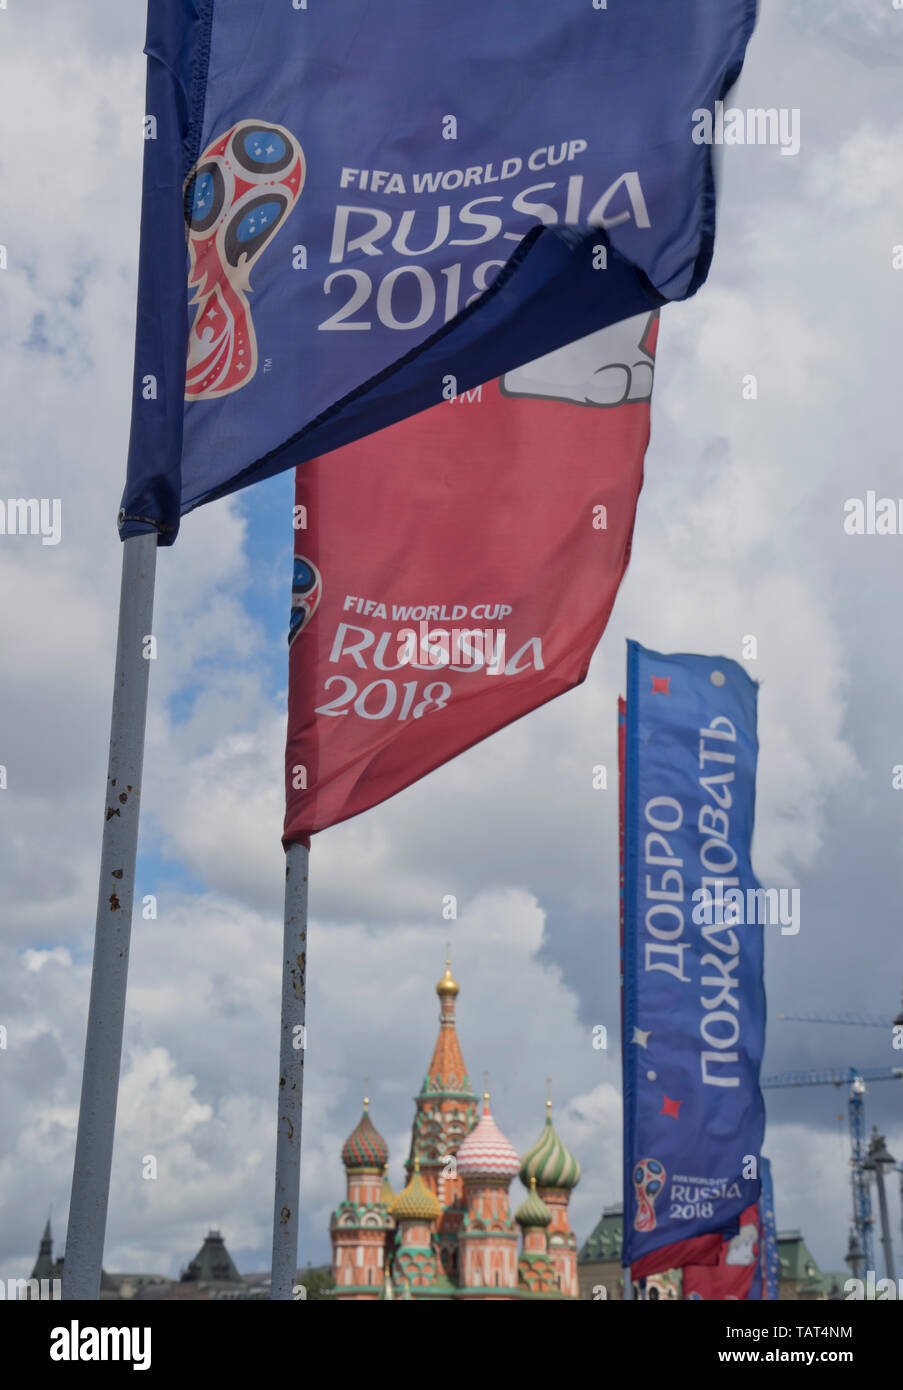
x,y
365,1147
549,1162
533,1210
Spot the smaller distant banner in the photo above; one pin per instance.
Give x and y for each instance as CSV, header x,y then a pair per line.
x,y
693,994
737,1275
770,1266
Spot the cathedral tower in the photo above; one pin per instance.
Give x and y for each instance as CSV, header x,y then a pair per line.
x,y
557,1173
488,1237
360,1225
447,1104
416,1213
535,1269
446,1112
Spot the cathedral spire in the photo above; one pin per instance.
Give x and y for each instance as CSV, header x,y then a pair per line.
x,y
44,1265
446,1105
447,1074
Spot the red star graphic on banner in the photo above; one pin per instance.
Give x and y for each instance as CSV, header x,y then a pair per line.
x,y
660,685
671,1107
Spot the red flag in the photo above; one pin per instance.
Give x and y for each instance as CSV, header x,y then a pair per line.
x,y
457,570
698,1250
733,1276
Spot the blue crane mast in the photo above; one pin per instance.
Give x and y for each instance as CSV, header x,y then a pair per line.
x,y
856,1080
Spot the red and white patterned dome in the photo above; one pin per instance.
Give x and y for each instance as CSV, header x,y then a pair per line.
x,y
486,1153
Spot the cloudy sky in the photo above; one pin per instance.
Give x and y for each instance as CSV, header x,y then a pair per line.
x,y
739,532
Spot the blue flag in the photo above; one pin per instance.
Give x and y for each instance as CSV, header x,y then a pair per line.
x,y
768,1236
354,211
693,994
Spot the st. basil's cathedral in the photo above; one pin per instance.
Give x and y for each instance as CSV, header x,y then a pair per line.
x,y
450,1232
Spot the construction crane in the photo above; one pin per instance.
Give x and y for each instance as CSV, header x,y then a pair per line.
x,y
862,1205
859,1020
856,1080
855,1020
832,1076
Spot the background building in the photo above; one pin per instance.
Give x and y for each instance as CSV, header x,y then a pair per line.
x,y
210,1275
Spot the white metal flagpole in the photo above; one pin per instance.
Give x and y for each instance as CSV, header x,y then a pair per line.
x,y
106,1011
291,1076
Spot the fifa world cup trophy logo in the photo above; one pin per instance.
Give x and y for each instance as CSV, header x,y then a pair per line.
x,y
648,1179
237,197
307,588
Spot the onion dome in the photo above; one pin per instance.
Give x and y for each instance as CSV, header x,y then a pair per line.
x,y
486,1153
549,1162
447,986
416,1202
365,1147
386,1195
533,1210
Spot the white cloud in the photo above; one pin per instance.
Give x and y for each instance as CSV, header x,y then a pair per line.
x,y
738,533
198,1085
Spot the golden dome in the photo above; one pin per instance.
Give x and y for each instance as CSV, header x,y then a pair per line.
x,y
447,986
416,1202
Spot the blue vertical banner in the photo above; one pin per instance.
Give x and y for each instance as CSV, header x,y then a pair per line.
x,y
768,1236
693,995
